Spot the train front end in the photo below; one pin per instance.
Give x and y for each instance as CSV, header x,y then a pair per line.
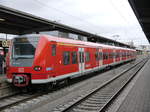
x,y
20,60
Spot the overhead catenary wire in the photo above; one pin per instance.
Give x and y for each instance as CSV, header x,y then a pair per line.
x,y
120,14
126,21
83,21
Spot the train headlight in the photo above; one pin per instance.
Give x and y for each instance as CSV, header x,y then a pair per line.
x,y
37,68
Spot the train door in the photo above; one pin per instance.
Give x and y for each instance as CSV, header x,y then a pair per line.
x,y
120,54
52,61
114,56
81,60
100,57
97,57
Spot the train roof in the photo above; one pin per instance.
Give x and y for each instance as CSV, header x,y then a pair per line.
x,y
65,40
71,41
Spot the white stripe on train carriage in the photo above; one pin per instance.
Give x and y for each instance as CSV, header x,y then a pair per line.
x,y
75,74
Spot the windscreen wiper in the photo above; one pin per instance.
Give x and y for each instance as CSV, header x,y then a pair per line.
x,y
22,58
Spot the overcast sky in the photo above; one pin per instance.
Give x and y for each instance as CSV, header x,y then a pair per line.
x,y
103,17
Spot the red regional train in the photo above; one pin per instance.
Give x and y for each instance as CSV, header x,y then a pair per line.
x,y
42,59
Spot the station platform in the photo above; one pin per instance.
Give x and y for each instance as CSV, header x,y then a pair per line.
x,y
2,79
3,82
138,98
6,89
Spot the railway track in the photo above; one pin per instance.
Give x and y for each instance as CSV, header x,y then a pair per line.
x,y
7,90
13,100
100,99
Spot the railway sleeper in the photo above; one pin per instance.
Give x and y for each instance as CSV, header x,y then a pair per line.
x,y
82,107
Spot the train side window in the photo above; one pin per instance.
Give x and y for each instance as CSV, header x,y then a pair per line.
x,y
53,50
87,56
110,55
74,57
66,58
113,55
97,56
81,57
118,55
100,56
123,55
105,56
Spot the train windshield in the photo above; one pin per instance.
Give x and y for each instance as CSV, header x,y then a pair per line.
x,y
24,48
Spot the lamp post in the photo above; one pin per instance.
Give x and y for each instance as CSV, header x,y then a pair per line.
x,y
115,38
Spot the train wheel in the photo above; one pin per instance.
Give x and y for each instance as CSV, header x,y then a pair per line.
x,y
68,81
47,87
26,89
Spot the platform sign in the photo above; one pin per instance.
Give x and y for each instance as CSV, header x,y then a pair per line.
x,y
5,43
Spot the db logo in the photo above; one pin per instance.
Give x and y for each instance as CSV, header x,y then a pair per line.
x,y
5,43
20,69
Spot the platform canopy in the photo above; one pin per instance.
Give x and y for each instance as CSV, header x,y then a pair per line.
x,y
17,22
141,9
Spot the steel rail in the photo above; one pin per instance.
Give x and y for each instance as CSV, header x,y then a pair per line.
x,y
15,99
77,104
30,97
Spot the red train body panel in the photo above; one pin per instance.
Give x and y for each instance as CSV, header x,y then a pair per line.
x,y
41,59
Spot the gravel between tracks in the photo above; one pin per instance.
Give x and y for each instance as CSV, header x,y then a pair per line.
x,y
118,102
50,101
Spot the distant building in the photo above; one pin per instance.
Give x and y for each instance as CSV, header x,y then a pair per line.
x,y
65,35
130,43
144,47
